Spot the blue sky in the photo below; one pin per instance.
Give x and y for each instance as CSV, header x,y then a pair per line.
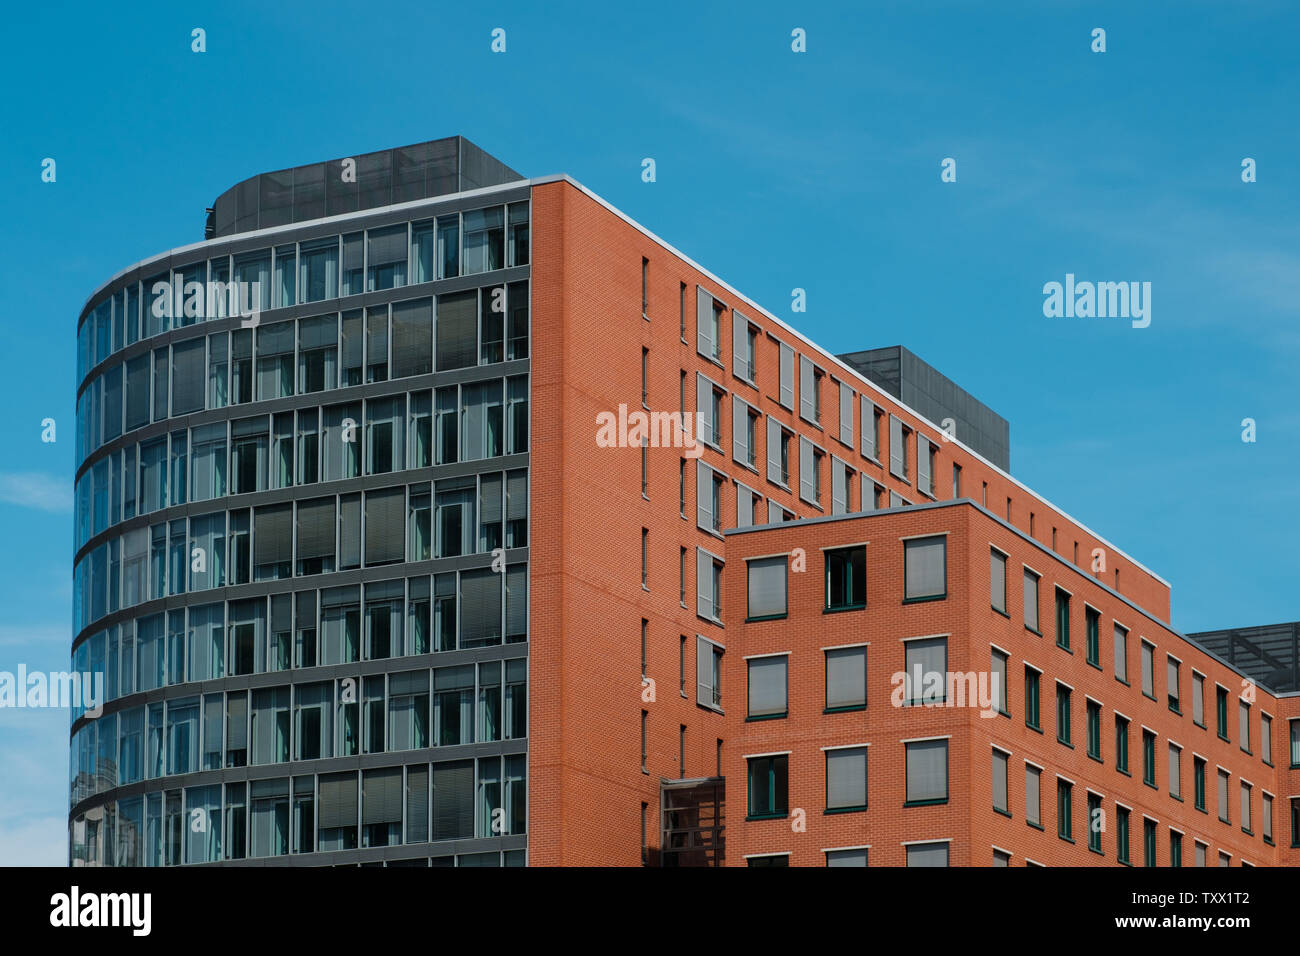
x,y
776,170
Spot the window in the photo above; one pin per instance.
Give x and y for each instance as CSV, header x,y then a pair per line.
x,y
743,338
1031,601
846,779
1245,807
846,678
927,661
846,579
1148,670
708,673
1094,822
956,481
1198,783
1031,698
899,435
927,772
744,432
786,359
1121,834
1171,680
1064,809
1224,813
1063,714
926,456
1266,816
1266,739
769,784
810,471
925,569
1198,699
1121,654
1121,743
998,581
778,453
841,487
1000,803
1243,724
1225,859
708,588
1175,848
1175,771
1148,758
1221,710
681,303
708,404
1033,804
708,317
999,679
1201,851
1092,624
1094,729
645,542
927,854
810,389
645,283
767,588
1295,744
870,426
1148,842
645,719
1062,619
857,857
768,683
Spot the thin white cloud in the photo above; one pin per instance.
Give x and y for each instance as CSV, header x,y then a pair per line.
x,y
32,489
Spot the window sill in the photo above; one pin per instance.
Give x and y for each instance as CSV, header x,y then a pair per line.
x,y
1125,863
1173,709
1002,612
1065,647
767,617
1201,810
1247,751
1224,738
833,811
1269,841
709,707
781,716
766,816
1150,783
925,803
1093,849
1061,836
645,588
923,600
844,710
846,607
1124,771
1266,763
1033,630
1097,758
1064,743
809,501
1004,813
1034,727
1247,832
1198,724
1094,664
875,461
1150,697
1122,681
1036,826
1174,796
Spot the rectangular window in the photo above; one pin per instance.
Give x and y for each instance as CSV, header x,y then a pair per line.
x,y
708,673
1121,743
1094,729
1198,699
1033,803
708,318
1094,822
1121,834
926,661
1064,809
810,472
1198,783
899,436
1031,698
925,465
846,779
1031,600
1148,758
1148,842
1121,654
708,585
1266,817
846,414
1266,739
870,428
999,679
1245,807
846,678
927,772
769,786
925,569
743,337
1175,771
1243,724
1224,814
1092,625
1148,652
1062,619
810,380
768,687
927,854
1175,848
1171,682
1221,710
1063,714
1201,851
846,578
1000,803
998,581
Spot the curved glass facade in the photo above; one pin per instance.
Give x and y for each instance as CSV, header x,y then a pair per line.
x,y
301,545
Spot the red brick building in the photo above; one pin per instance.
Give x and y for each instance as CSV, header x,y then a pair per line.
x,y
740,610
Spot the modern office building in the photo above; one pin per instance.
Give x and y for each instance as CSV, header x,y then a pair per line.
x,y
408,566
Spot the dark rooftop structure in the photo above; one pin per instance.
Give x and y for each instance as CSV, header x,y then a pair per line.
x,y
437,168
1269,654
937,397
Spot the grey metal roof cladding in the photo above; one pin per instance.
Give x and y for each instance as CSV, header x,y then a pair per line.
x,y
934,395
403,174
1269,653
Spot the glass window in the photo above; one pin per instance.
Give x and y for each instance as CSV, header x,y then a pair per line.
x,y
846,778
846,678
484,240
319,269
925,671
927,771
769,785
767,587
846,579
767,687
925,566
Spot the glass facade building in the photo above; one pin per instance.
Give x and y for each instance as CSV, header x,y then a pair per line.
x,y
301,532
